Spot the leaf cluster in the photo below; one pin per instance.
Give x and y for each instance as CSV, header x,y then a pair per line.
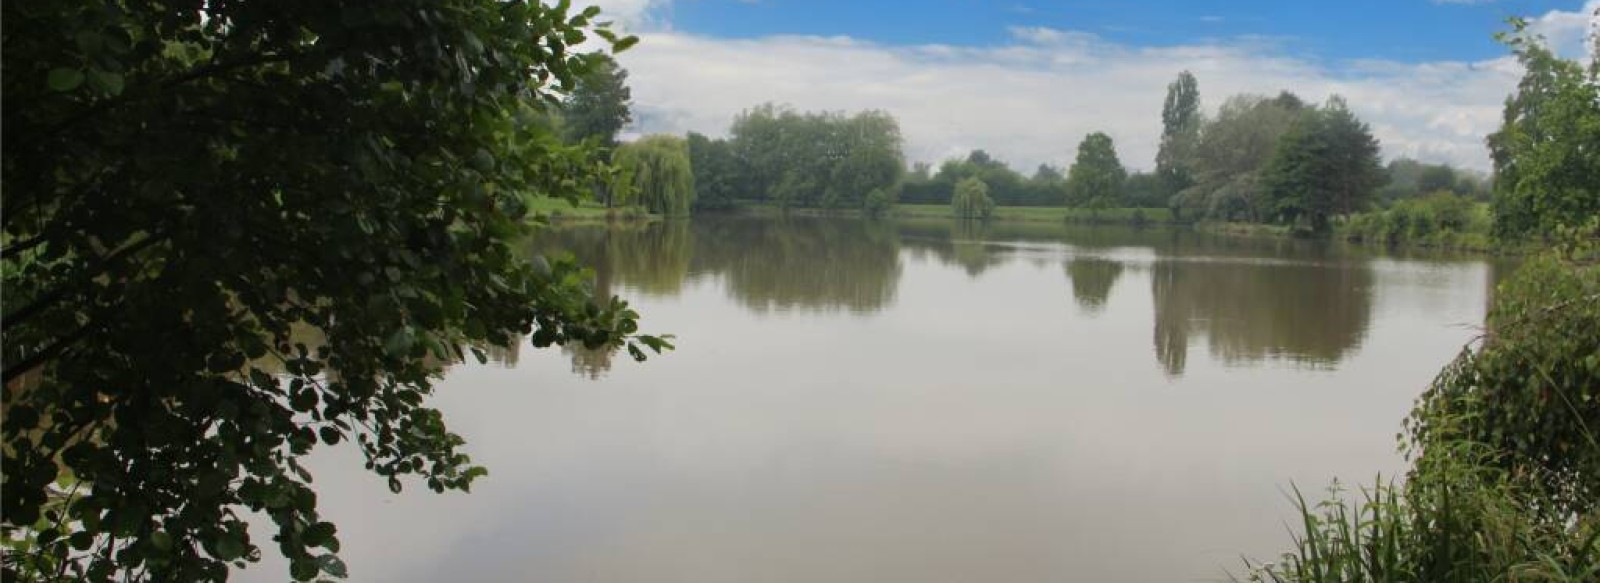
x,y
236,231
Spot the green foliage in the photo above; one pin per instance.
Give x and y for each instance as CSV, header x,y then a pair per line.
x,y
971,200
879,203
1326,165
600,105
717,172
1441,219
1145,190
1409,178
1458,523
822,160
1233,149
1096,178
1505,483
1547,152
1041,214
1531,392
1180,135
656,173
1006,186
234,231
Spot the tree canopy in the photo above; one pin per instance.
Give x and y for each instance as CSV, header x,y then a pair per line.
x,y
1547,151
1096,177
600,104
1180,133
1233,149
717,172
234,231
825,160
657,173
1326,165
971,199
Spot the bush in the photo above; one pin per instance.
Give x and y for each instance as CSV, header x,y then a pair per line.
x,y
1505,482
1458,523
878,203
1532,390
1435,220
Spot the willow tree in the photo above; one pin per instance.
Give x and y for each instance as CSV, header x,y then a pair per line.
x,y
190,187
657,173
971,200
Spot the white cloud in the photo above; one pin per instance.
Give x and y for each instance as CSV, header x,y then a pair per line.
x,y
1031,100
1567,31
633,15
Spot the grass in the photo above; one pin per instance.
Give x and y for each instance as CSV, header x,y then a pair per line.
x,y
1452,524
561,211
1050,214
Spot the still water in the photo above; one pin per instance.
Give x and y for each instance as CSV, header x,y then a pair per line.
x,y
921,402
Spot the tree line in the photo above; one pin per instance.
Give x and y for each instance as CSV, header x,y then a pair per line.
x,y
1261,159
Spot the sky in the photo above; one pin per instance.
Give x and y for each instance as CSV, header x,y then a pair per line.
x,y
1025,80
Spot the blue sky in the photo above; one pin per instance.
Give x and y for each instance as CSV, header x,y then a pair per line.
x,y
1399,30
1027,79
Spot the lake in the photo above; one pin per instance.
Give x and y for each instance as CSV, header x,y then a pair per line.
x,y
921,402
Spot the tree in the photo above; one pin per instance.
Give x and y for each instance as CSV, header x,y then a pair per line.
x,y
1096,177
657,173
600,105
1326,165
971,200
236,230
827,160
1436,179
1233,149
1145,190
1180,134
1547,152
717,174
879,203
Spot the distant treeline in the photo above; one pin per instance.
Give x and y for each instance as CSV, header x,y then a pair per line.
x,y
1261,159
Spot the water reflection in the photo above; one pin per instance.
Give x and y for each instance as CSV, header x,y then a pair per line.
x,y
1311,313
590,362
801,263
1092,279
963,244
904,412
1248,299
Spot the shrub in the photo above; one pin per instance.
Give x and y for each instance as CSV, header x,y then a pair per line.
x,y
878,203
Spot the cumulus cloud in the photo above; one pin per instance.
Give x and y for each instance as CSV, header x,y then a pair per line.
x,y
1031,99
1567,31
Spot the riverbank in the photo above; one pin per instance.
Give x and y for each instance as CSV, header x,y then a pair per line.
x,y
1026,214
558,210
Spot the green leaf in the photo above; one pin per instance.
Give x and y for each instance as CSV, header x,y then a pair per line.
x,y
332,566
81,541
105,82
229,547
304,569
318,534
64,79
